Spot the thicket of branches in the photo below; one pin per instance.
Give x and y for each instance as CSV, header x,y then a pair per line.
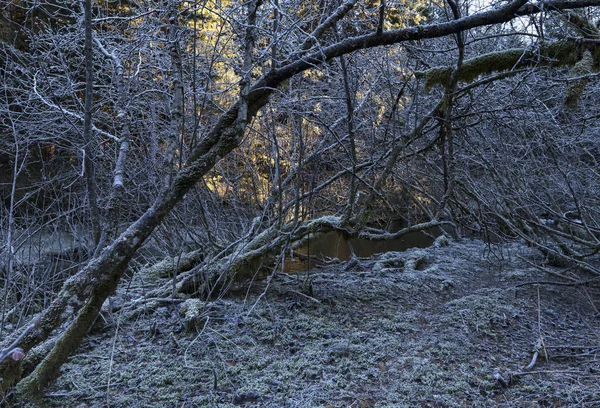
x,y
218,136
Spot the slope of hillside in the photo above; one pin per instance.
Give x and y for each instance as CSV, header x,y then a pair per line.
x,y
446,326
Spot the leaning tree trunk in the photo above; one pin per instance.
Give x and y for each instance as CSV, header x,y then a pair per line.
x,y
90,287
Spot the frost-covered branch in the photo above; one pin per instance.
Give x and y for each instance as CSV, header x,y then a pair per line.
x,y
68,112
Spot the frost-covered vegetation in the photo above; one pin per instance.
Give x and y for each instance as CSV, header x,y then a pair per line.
x,y
389,332
167,166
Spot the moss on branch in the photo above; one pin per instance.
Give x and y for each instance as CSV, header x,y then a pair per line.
x,y
554,54
580,70
166,267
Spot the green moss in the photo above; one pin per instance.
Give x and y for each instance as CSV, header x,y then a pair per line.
x,y
583,67
581,23
556,54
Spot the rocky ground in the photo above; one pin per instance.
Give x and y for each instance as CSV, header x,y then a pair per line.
x,y
446,326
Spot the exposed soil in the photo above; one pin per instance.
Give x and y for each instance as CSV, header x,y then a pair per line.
x,y
446,326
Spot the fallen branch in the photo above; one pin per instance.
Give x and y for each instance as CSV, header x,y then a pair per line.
x,y
576,283
521,373
501,380
306,296
531,364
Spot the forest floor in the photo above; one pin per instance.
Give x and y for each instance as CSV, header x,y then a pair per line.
x,y
446,326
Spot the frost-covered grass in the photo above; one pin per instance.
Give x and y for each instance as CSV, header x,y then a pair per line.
x,y
416,328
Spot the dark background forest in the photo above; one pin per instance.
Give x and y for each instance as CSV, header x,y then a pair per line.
x,y
211,143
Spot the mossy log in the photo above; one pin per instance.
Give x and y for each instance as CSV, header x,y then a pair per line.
x,y
249,255
166,267
554,54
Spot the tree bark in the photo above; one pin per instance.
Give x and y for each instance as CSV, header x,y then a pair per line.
x,y
555,54
88,138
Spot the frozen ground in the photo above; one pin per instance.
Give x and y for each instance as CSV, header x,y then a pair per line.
x,y
449,326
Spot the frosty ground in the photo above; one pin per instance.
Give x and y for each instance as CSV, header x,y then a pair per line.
x,y
445,326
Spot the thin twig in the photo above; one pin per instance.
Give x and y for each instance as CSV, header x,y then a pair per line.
x,y
306,296
4,353
546,270
546,372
